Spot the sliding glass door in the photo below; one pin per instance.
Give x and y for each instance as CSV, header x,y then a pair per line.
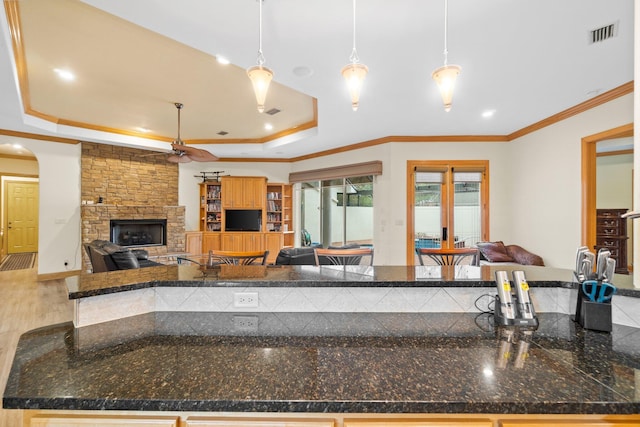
x,y
338,211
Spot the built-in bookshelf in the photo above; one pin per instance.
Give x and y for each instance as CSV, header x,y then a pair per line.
x,y
279,212
211,206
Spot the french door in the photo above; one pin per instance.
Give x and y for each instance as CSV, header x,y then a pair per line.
x,y
447,204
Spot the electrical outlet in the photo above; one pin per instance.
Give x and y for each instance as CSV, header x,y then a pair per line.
x,y
245,299
245,323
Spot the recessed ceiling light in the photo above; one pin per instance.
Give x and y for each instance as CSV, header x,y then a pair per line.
x,y
64,74
268,126
488,113
222,60
303,71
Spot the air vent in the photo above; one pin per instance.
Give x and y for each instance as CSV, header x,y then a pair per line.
x,y
603,33
272,112
223,133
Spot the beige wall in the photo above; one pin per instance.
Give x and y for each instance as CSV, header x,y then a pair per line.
x,y
535,187
59,225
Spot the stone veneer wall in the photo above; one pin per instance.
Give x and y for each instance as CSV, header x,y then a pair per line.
x,y
123,177
133,185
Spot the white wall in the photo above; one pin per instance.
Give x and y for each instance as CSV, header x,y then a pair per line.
x,y
546,194
59,226
614,179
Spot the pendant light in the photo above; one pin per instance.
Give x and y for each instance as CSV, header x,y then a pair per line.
x,y
354,73
446,75
260,76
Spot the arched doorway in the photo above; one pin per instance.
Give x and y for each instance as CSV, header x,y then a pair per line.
x,y
18,200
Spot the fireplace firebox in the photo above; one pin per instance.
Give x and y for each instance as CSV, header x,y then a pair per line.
x,y
138,232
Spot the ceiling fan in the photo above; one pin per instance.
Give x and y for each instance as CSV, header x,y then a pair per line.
x,y
183,153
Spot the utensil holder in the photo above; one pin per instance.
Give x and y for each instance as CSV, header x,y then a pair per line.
x,y
593,315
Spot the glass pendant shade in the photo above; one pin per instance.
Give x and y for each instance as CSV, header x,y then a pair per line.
x,y
445,78
354,74
260,78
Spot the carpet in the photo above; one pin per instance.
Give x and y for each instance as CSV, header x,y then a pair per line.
x,y
21,261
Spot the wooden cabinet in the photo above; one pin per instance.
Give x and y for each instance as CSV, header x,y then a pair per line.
x,y
211,241
210,206
193,242
242,242
102,421
257,422
611,233
273,242
428,422
274,200
243,192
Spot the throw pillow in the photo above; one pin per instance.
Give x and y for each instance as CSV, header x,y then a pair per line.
x,y
523,256
494,251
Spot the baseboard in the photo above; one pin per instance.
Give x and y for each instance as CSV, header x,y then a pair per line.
x,y
57,276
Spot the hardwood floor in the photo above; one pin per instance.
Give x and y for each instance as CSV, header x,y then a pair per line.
x,y
26,304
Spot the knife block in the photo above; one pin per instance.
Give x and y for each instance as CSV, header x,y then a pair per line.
x,y
593,315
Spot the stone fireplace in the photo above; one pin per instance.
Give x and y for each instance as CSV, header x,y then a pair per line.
x,y
133,187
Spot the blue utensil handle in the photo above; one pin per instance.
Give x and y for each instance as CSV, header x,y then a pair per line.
x,y
606,292
589,289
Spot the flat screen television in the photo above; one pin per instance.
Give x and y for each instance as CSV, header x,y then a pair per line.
x,y
242,220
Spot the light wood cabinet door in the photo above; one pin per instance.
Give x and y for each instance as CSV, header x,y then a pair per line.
x,y
253,242
243,192
211,242
101,421
232,242
193,242
255,194
273,244
567,423
257,422
427,422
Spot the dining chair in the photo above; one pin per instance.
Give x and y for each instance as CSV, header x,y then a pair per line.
x,y
237,257
343,256
457,256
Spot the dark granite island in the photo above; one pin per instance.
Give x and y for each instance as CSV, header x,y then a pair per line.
x,y
326,368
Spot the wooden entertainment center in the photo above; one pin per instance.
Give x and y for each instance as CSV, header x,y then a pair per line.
x,y
244,196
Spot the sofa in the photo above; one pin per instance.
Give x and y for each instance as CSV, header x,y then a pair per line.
x,y
499,253
305,255
107,256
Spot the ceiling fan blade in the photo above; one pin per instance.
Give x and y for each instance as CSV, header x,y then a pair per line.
x,y
202,156
196,154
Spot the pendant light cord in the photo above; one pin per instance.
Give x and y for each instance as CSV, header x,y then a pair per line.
x,y
446,24
260,55
354,53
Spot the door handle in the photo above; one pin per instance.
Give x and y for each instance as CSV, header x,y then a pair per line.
x,y
444,233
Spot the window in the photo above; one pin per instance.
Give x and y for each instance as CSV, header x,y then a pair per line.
x,y
332,222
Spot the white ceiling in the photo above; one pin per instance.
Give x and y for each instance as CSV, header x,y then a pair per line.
x,y
525,59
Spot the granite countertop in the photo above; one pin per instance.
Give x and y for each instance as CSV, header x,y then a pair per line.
x,y
327,362
87,284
